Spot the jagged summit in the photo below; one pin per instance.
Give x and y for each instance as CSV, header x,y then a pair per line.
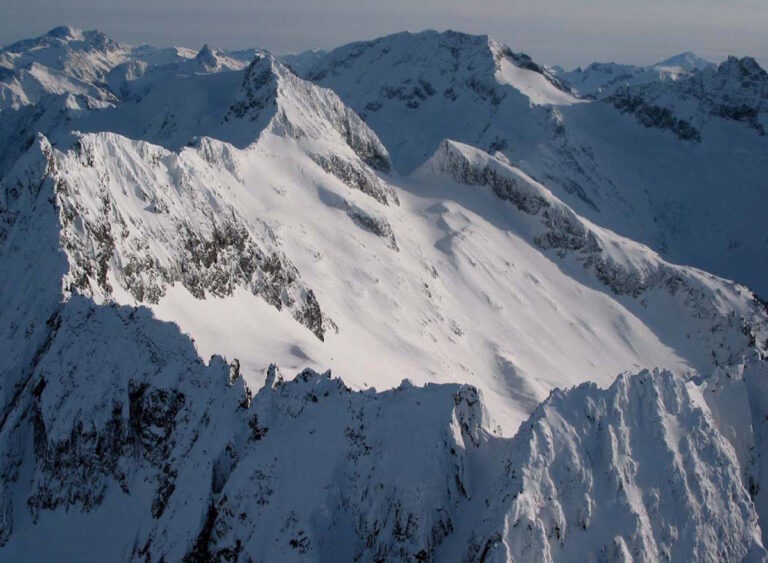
x,y
270,93
209,60
747,69
735,90
206,57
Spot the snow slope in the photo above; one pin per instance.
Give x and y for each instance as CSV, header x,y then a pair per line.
x,y
451,80
677,165
169,458
143,225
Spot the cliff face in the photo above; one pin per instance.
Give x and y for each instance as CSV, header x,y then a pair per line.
x,y
118,416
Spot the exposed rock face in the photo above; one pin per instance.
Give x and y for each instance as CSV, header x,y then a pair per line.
x,y
579,478
738,91
376,225
310,470
299,109
207,59
258,92
652,115
182,438
111,232
522,60
451,161
733,91
561,230
90,437
357,177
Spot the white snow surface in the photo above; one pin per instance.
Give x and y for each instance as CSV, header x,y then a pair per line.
x,y
697,196
535,85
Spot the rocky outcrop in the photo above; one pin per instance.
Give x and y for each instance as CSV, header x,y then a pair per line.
x,y
736,90
357,177
652,115
450,160
272,95
625,473
310,470
377,225
622,266
110,232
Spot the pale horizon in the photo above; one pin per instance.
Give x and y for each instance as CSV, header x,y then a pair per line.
x,y
555,32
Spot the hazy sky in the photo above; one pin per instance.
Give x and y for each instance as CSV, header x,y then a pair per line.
x,y
566,32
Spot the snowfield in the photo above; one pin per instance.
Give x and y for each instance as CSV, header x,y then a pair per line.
x,y
424,302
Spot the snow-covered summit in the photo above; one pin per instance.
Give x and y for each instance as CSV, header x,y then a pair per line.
x,y
399,82
602,79
688,61
735,90
69,60
85,55
270,93
452,55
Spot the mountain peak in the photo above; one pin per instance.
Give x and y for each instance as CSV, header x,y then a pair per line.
x,y
207,58
272,95
205,51
92,38
65,32
743,67
687,60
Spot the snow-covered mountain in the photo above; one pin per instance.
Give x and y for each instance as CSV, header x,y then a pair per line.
x,y
687,61
89,64
603,79
737,90
168,252
620,171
